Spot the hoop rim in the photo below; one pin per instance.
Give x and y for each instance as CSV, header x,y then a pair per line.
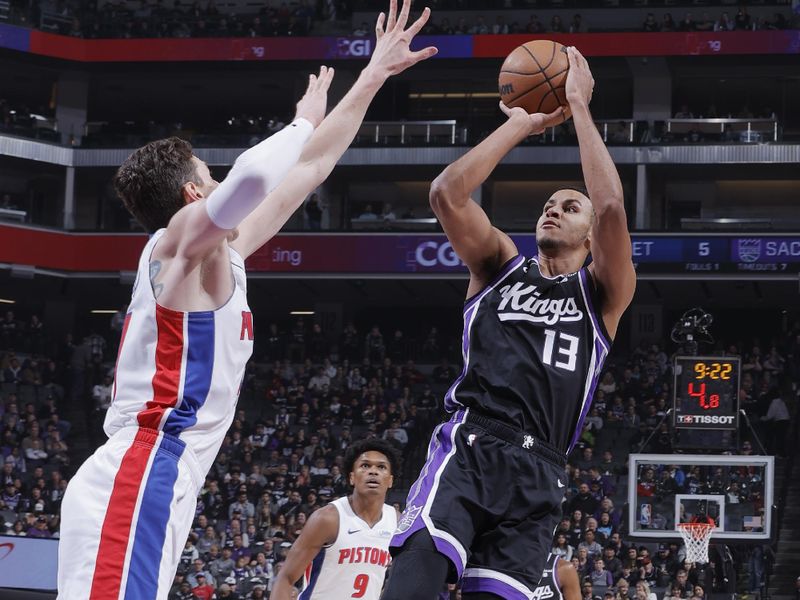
x,y
695,526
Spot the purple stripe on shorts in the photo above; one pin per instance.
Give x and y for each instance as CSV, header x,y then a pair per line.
x,y
492,586
450,551
419,496
450,402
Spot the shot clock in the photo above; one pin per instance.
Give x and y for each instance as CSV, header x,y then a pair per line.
x,y
706,392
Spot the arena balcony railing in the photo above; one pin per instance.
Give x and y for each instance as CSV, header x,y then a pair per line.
x,y
436,133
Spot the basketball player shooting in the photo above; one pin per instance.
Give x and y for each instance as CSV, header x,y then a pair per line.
x,y
189,331
343,550
536,333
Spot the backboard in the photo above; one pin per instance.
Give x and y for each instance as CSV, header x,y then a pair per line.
x,y
667,489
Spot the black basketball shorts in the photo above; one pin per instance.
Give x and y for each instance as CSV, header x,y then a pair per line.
x,y
490,496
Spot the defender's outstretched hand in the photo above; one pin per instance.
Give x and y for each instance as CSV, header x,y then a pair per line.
x,y
392,54
314,103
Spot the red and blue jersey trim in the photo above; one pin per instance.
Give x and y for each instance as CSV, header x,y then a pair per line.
x,y
179,334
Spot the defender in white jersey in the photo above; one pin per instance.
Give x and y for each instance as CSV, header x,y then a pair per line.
x,y
189,333
343,551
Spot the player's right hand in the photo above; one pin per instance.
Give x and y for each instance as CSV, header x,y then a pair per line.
x,y
392,54
580,83
314,103
537,122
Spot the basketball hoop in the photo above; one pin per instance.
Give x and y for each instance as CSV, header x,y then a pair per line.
x,y
695,537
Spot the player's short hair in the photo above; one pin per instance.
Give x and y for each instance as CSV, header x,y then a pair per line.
x,y
149,182
358,448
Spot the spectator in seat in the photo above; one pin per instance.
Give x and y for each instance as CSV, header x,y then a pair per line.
x,y
612,564
183,592
562,548
590,543
599,575
623,589
742,21
724,23
577,25
650,24
313,209
687,23
557,25
583,501
368,214
534,25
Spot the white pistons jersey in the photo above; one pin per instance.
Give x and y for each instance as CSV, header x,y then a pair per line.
x,y
354,566
180,372
129,508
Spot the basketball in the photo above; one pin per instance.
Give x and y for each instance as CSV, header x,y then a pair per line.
x,y
534,77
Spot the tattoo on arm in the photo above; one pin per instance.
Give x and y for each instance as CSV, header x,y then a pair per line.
x,y
155,269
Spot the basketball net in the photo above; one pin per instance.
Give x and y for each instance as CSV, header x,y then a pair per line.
x,y
695,537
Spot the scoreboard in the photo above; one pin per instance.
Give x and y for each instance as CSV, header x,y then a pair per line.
x,y
706,392
710,253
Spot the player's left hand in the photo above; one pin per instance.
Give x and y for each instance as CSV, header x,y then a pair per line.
x,y
314,103
537,122
580,83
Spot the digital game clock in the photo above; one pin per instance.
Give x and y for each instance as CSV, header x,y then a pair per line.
x,y
706,392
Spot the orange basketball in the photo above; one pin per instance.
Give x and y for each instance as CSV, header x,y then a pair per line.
x,y
534,77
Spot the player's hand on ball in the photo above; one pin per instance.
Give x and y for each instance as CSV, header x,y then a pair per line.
x,y
580,82
537,122
314,103
392,54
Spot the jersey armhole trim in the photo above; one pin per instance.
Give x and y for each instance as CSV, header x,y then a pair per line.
x,y
591,301
507,267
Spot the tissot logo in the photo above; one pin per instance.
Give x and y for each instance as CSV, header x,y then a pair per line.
x,y
523,302
706,419
6,549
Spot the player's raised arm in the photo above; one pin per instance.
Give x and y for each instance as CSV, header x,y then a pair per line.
x,y
213,211
612,264
481,246
320,530
391,56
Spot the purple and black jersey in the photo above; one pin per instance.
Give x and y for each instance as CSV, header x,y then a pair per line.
x,y
533,349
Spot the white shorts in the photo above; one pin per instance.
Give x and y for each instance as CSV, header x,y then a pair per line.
x,y
125,518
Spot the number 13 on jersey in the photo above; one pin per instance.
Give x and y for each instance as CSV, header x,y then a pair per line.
x,y
566,351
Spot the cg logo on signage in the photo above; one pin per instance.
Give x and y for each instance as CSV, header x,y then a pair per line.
x,y
356,47
432,254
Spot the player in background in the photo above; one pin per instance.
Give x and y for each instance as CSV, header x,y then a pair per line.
x,y
536,333
189,332
343,550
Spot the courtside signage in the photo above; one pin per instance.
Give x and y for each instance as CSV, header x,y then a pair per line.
x,y
397,254
344,48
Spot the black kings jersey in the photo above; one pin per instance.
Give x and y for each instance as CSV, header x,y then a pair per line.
x,y
533,348
549,587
